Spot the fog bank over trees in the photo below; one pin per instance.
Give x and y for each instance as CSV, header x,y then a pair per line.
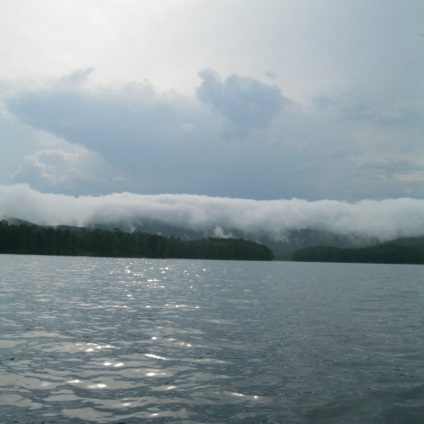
x,y
382,219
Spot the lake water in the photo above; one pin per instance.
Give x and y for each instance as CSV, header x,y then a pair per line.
x,y
174,341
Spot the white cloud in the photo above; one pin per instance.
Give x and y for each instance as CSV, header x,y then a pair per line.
x,y
57,167
385,219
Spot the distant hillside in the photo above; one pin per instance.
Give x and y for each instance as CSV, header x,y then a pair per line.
x,y
282,243
410,241
72,241
401,251
15,221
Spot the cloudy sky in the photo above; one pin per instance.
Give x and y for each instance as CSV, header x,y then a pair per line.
x,y
247,99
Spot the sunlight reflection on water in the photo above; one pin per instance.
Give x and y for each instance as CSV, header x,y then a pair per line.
x,y
124,340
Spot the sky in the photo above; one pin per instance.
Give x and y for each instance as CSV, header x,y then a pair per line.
x,y
262,100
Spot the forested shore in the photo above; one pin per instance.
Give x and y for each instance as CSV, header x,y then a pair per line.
x,y
38,240
387,253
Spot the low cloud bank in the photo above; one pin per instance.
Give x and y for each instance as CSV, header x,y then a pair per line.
x,y
384,219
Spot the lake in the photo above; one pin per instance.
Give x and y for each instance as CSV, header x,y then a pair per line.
x,y
177,341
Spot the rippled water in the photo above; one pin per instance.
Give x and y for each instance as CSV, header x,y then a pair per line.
x,y
175,341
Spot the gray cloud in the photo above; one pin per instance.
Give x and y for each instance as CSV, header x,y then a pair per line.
x,y
247,103
407,112
150,137
77,77
238,134
105,119
158,142
153,142
385,219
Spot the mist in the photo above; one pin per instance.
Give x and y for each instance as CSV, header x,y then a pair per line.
x,y
384,219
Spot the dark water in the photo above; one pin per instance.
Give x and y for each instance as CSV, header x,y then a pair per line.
x,y
174,341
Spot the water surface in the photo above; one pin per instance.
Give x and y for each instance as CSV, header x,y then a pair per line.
x,y
177,341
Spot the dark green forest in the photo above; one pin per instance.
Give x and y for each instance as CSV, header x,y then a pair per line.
x,y
411,252
37,240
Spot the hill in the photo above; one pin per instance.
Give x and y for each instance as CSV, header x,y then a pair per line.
x,y
401,251
282,243
74,241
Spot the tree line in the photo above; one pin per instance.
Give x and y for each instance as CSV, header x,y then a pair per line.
x,y
37,240
387,253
